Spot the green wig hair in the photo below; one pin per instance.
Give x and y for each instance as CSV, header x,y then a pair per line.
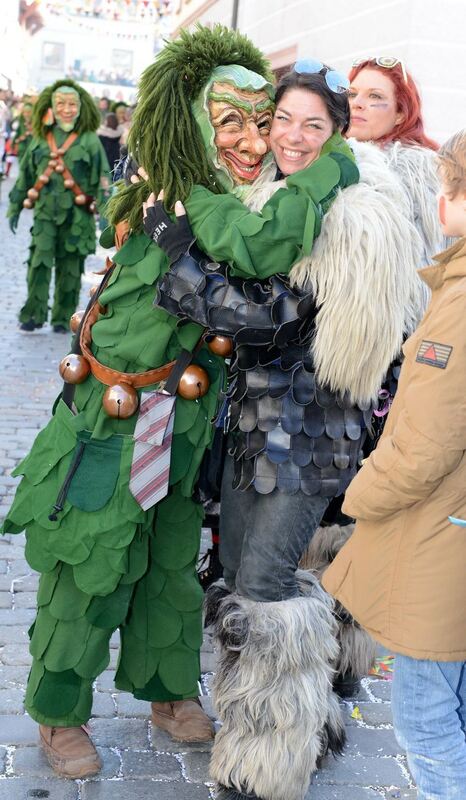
x,y
164,137
89,117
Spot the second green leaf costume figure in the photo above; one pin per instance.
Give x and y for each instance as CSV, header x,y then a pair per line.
x,y
104,562
62,187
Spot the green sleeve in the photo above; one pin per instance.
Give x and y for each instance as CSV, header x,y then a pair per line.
x,y
26,179
269,242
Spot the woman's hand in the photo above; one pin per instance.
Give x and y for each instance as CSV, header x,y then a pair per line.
x,y
174,238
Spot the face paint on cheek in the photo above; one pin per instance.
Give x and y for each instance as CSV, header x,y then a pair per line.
x,y
378,105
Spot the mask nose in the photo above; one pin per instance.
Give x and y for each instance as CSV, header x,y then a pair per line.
x,y
253,142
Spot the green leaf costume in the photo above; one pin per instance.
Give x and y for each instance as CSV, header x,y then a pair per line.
x,y
22,137
63,233
106,563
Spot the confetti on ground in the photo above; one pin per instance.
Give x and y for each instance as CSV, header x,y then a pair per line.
x,y
383,668
356,714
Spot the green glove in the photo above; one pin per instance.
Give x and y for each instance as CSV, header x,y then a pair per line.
x,y
13,222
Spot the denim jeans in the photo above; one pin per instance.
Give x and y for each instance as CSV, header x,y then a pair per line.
x,y
429,715
262,538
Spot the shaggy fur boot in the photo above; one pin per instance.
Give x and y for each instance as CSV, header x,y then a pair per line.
x,y
356,648
273,693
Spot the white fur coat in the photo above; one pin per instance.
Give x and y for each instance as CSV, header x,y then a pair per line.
x,y
363,266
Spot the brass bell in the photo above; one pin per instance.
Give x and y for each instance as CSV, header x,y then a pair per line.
x,y
44,178
68,183
52,163
75,320
53,154
60,151
80,199
221,346
92,208
27,203
194,383
120,401
74,368
60,168
33,194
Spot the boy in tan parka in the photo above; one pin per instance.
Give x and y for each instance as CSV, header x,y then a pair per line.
x,y
402,573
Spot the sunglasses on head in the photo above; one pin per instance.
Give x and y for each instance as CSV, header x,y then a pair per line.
x,y
335,80
383,61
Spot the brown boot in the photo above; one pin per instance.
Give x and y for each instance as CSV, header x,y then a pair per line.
x,y
70,751
184,720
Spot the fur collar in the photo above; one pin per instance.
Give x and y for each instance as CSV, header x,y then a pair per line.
x,y
363,274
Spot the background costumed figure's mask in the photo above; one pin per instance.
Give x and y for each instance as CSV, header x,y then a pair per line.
x,y
234,112
66,105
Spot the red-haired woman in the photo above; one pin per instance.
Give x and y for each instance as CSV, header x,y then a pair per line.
x,y
386,109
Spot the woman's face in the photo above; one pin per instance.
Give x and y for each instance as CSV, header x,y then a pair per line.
x,y
300,127
373,106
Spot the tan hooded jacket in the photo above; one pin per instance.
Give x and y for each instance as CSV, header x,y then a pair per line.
x,y
402,573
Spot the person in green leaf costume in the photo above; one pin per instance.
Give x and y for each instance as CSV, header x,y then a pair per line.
x,y
60,177
201,130
23,132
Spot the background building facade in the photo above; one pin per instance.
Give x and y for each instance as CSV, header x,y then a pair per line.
x,y
426,34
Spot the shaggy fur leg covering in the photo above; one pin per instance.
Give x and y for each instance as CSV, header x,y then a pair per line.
x,y
356,648
213,597
273,693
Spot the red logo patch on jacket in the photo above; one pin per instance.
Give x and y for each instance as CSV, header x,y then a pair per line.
x,y
434,354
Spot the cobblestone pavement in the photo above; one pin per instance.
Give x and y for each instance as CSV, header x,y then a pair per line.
x,y
139,761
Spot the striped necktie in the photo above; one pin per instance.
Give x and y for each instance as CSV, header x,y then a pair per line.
x,y
153,433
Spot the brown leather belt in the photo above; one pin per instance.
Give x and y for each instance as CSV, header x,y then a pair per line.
x,y
109,376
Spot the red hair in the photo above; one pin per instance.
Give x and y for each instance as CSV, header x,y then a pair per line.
x,y
411,129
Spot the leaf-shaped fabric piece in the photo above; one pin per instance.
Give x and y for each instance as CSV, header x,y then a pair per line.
x,y
179,670
110,611
57,693
138,660
68,602
96,656
47,584
101,571
94,481
183,590
43,630
67,644
138,555
192,629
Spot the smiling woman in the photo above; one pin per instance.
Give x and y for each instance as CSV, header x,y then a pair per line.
x,y
301,126
307,113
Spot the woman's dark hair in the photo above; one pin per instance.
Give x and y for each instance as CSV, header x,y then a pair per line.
x,y
337,104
